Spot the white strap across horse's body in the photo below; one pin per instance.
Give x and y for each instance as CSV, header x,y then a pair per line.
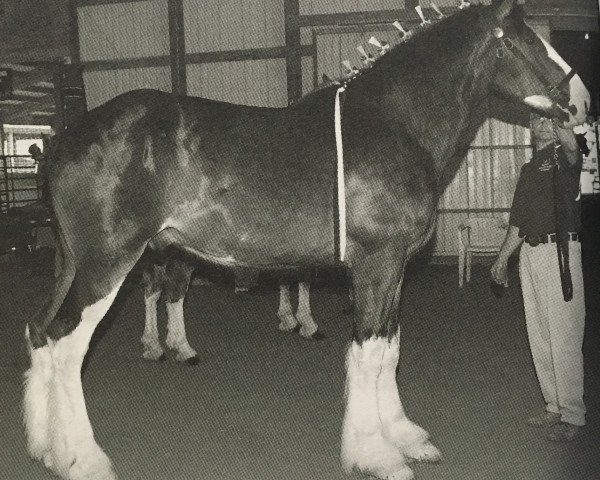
x,y
341,187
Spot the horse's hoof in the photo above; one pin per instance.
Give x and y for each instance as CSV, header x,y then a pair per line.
x,y
318,335
193,361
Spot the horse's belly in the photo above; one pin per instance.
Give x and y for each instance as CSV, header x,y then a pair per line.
x,y
259,234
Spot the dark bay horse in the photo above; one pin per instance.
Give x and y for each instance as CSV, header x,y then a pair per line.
x,y
256,187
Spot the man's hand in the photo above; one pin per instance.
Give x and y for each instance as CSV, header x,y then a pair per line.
x,y
500,271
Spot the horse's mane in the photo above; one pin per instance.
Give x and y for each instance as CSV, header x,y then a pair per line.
x,y
451,27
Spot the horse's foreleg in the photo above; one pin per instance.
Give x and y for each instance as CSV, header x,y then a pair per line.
x,y
309,328
377,435
411,439
287,320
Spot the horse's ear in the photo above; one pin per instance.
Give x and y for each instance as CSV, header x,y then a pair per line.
x,y
502,8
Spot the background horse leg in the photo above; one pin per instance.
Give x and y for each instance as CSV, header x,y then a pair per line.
x,y
309,328
376,433
178,276
152,281
288,322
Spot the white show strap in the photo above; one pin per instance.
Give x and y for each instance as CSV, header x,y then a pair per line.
x,y
341,187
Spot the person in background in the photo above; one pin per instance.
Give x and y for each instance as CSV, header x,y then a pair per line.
x,y
545,221
40,158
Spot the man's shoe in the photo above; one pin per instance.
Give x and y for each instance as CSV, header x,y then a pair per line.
x,y
564,432
544,420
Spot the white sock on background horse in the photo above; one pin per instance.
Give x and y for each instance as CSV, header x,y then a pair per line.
x,y
152,347
303,314
287,320
176,337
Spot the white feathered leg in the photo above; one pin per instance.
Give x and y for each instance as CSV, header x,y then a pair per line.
x,y
35,402
411,439
72,452
364,447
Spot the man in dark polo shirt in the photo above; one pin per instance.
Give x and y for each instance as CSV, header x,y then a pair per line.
x,y
546,210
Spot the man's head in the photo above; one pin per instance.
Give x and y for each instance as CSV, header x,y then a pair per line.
x,y
34,150
542,130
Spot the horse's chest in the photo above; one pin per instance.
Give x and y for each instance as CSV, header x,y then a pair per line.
x,y
381,208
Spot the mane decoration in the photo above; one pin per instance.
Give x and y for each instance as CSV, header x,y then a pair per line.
x,y
352,72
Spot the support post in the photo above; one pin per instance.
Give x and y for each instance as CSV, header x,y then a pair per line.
x,y
177,47
293,49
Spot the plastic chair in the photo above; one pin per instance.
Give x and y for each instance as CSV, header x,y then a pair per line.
x,y
478,236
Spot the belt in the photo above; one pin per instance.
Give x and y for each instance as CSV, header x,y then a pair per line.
x,y
551,238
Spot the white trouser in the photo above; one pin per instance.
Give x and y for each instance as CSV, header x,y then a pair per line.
x,y
555,327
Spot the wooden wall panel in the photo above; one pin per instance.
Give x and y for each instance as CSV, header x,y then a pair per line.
x,y
103,85
307,75
252,82
314,7
215,25
123,30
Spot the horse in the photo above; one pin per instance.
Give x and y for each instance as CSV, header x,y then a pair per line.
x,y
258,187
168,277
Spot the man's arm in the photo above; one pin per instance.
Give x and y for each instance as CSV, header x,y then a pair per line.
x,y
511,242
567,139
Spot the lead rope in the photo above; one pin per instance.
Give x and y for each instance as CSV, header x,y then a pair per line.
x,y
341,187
562,237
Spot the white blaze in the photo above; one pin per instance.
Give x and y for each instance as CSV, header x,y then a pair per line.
x,y
579,95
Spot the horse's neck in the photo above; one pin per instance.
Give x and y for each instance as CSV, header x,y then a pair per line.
x,y
440,113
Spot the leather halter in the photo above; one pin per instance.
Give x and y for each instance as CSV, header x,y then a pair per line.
x,y
553,90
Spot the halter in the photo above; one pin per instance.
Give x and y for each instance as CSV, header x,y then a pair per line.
x,y
553,90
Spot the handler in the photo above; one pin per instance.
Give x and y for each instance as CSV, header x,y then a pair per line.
x,y
545,218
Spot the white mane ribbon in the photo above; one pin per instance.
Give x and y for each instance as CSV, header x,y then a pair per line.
x,y
341,187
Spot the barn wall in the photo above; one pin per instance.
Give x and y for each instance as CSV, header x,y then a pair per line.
x,y
103,85
118,33
215,25
315,7
251,82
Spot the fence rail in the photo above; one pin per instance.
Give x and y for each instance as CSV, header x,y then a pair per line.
x,y
20,183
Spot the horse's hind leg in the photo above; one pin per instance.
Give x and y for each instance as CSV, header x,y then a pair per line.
x,y
37,377
70,449
178,275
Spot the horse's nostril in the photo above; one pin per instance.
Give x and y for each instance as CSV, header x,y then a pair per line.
x,y
572,109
